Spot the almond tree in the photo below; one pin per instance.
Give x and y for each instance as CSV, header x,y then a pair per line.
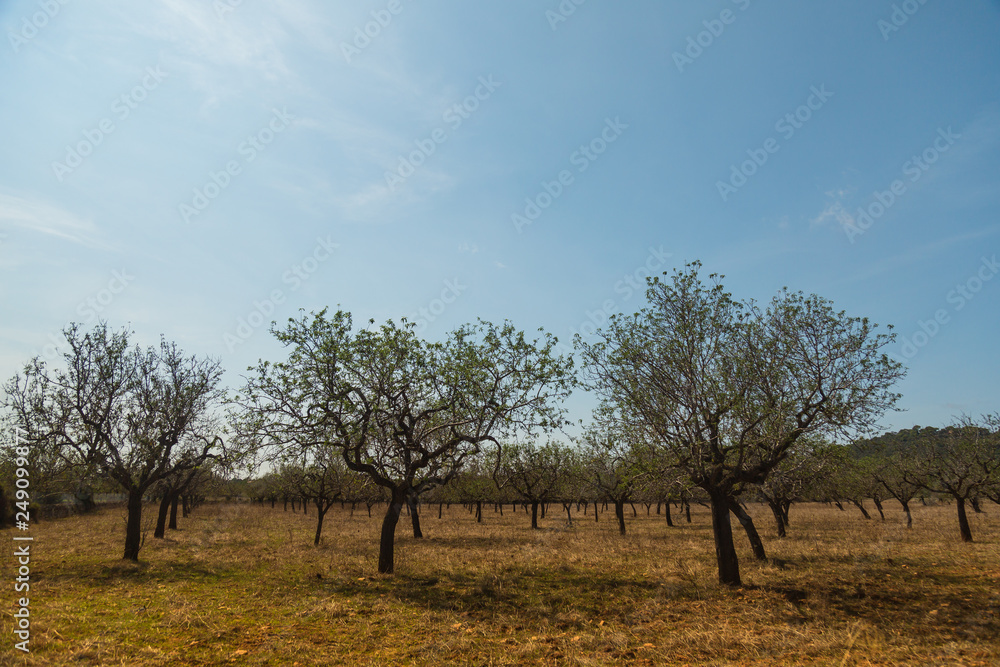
x,y
613,465
405,412
139,416
794,477
729,387
961,461
892,462
535,473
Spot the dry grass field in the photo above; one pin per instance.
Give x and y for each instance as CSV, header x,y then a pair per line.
x,y
243,585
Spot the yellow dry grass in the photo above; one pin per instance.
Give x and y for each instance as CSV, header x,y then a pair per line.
x,y
243,585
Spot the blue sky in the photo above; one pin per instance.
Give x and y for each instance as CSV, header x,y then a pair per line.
x,y
194,169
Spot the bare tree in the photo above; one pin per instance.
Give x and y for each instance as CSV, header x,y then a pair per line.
x,y
535,473
961,461
613,465
139,416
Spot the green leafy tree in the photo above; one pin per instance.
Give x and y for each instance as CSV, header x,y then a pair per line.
x,y
405,412
730,387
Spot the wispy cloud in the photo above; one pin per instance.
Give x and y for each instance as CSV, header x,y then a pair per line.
x,y
44,218
834,212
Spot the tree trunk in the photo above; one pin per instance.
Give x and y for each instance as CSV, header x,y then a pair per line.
x,y
974,501
722,531
862,508
479,511
185,507
440,509
620,515
534,514
963,520
411,504
161,517
634,513
544,505
878,506
569,517
320,513
785,504
751,530
387,543
133,527
670,519
779,520
174,499
687,511
909,517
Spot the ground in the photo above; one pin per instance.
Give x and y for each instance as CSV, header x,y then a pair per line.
x,y
242,585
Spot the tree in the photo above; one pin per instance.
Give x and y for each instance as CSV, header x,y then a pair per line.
x,y
139,416
613,465
806,463
405,412
318,475
729,387
960,461
171,488
535,473
891,460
